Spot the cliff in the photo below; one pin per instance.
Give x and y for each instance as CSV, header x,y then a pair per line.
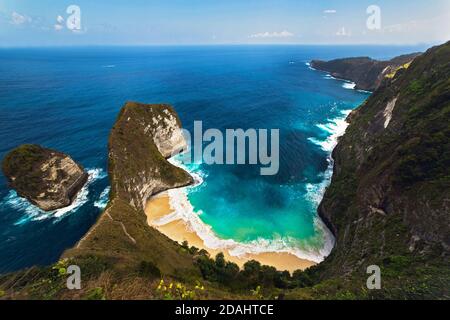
x,y
389,200
367,73
47,178
141,139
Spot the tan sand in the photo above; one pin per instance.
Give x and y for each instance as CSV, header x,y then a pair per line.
x,y
159,206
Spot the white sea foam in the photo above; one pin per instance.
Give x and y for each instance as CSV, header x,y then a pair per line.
x,y
349,85
103,199
329,77
183,210
33,213
109,66
309,66
346,85
336,128
314,194
315,191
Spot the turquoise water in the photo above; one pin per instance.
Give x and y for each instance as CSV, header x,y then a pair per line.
x,y
68,99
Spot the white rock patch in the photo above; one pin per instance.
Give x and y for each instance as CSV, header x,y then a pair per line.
x,y
387,113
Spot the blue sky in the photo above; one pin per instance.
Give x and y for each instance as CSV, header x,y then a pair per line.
x,y
149,22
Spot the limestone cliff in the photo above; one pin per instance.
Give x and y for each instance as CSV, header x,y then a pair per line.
x,y
367,73
389,200
47,178
141,139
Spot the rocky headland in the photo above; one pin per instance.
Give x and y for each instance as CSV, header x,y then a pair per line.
x,y
47,178
389,200
368,74
143,136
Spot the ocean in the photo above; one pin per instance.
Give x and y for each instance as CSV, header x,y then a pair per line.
x,y
68,99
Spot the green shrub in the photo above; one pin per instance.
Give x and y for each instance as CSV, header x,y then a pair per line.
x,y
96,294
148,269
416,87
302,279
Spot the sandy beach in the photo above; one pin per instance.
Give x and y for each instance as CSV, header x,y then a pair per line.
x,y
159,206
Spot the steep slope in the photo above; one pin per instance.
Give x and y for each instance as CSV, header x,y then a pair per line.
x,y
121,256
141,138
389,200
368,74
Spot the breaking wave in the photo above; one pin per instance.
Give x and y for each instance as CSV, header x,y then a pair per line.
x,y
349,85
32,213
334,128
103,199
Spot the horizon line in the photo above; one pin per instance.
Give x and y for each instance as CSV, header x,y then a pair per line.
x,y
219,45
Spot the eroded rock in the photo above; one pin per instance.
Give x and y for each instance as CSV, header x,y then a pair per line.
x,y
47,178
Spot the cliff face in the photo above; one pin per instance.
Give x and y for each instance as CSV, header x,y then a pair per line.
x,y
368,74
389,200
47,178
141,139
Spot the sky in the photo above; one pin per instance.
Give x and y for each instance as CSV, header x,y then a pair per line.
x,y
193,22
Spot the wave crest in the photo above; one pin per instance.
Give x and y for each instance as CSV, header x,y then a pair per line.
x,y
32,213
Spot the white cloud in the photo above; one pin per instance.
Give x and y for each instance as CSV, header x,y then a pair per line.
x,y
329,11
282,34
59,23
343,33
435,29
19,19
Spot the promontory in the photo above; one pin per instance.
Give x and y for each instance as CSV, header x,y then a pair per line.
x,y
47,178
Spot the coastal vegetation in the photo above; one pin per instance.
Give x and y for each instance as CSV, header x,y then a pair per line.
x,y
368,74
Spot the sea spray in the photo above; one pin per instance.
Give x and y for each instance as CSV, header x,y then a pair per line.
x,y
32,213
314,192
349,85
346,85
336,128
103,199
309,66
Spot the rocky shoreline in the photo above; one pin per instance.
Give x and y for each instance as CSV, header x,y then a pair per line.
x,y
368,74
47,178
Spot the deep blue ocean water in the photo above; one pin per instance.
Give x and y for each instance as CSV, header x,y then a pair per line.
x,y
68,99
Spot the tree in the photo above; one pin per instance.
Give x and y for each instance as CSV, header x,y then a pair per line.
x,y
220,261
